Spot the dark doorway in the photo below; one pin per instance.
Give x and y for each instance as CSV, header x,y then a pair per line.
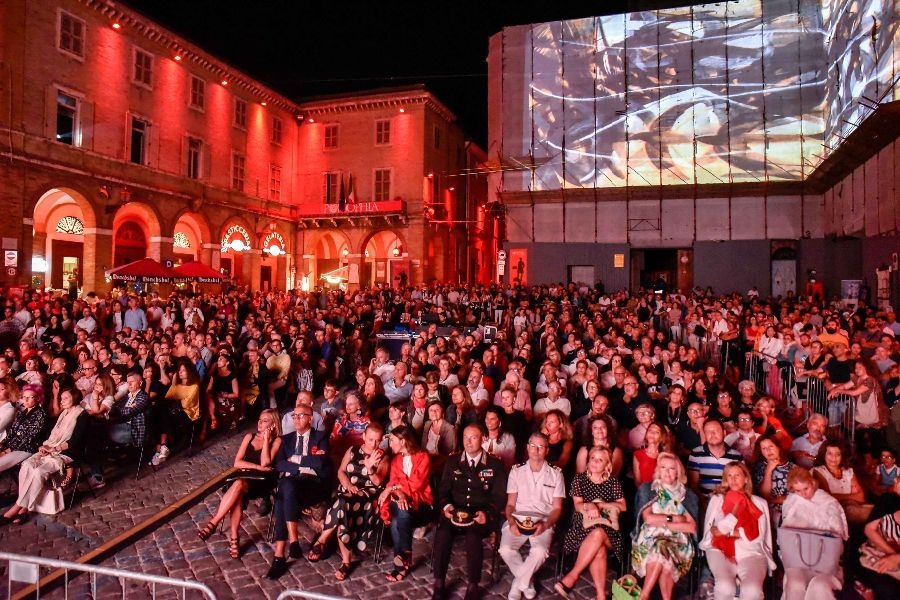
x,y
654,268
265,278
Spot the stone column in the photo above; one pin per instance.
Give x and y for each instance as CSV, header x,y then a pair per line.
x,y
96,259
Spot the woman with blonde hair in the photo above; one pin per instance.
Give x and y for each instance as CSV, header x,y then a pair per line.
x,y
665,527
256,478
738,540
596,494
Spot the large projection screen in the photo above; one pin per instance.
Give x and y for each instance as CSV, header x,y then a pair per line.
x,y
730,92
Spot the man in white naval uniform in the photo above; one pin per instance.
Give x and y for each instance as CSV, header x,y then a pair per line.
x,y
535,493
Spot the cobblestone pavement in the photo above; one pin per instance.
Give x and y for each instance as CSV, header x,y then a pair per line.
x,y
175,550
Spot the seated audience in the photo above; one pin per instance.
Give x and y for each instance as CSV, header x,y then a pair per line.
x,y
64,445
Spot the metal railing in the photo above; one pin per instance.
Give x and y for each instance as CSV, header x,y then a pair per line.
x,y
308,595
27,570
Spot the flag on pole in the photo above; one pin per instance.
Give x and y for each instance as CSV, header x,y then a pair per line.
x,y
342,199
351,197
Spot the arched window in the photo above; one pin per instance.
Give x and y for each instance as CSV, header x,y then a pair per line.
x,y
70,225
181,240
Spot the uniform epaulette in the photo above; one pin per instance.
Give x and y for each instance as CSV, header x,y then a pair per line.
x,y
521,464
554,467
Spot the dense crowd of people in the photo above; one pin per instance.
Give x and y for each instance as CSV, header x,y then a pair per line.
x,y
672,434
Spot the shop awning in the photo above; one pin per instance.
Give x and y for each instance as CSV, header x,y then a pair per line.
x,y
145,270
196,271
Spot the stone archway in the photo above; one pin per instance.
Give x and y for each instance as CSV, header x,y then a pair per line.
x,y
65,238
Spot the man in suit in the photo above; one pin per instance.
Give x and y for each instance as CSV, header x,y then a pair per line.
x,y
473,483
304,468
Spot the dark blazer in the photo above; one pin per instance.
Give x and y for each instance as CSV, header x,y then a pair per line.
x,y
482,488
320,461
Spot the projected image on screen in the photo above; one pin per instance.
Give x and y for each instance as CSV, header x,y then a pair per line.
x,y
721,93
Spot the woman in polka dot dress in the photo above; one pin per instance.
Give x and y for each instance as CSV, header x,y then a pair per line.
x,y
362,474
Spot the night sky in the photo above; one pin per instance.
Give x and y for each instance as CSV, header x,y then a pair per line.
x,y
305,48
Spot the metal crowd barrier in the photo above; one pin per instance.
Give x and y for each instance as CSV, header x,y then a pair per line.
x,y
307,595
840,410
27,570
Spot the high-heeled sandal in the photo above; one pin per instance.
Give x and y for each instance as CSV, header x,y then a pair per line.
x,y
207,531
400,570
342,572
315,553
234,547
562,589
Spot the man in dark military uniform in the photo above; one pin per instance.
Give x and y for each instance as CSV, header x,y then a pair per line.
x,y
471,495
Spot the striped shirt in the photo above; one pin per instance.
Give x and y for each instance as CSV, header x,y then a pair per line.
x,y
709,467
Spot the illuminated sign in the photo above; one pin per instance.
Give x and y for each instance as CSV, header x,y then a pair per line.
x,y
274,244
235,239
355,208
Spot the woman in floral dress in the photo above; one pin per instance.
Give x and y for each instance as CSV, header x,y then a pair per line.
x,y
662,543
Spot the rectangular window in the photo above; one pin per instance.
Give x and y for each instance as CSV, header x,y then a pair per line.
x,y
143,68
140,129
71,34
274,182
240,113
437,138
276,130
382,184
67,119
382,132
238,163
331,136
198,93
332,183
194,157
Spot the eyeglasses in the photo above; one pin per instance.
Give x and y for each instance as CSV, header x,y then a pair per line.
x,y
537,446
745,419
301,415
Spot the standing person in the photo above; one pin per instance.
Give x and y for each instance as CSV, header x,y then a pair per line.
x,y
73,284
738,541
535,493
135,318
305,469
594,493
471,494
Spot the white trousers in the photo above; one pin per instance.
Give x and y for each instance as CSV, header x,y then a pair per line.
x,y
523,569
804,584
751,570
